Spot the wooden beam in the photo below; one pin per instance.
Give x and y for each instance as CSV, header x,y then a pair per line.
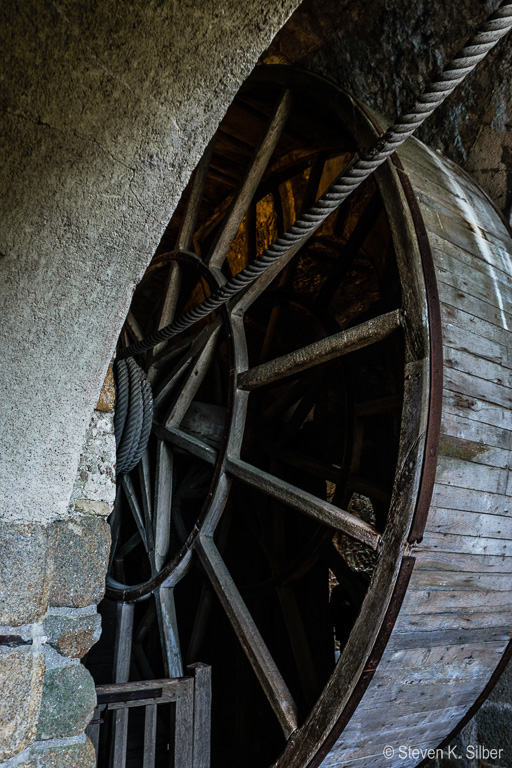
x,y
249,635
305,502
321,351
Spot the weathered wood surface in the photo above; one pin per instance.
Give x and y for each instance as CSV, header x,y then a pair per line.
x,y
456,618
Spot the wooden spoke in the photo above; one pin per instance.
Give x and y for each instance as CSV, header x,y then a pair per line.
x,y
166,612
305,502
172,378
321,351
168,310
251,180
250,638
189,220
187,443
133,327
193,381
136,511
163,502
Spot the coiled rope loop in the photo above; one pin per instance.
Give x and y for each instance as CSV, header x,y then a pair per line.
x,y
133,414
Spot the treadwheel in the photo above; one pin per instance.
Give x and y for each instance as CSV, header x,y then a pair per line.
x,y
264,528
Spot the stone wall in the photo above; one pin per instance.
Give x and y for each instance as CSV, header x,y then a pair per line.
x,y
52,580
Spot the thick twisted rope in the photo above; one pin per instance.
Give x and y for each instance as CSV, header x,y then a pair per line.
x,y
496,27
133,414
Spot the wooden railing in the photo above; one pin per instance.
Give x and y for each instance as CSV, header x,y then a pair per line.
x,y
186,725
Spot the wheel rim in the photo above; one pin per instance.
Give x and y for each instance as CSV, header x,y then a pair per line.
x,y
303,732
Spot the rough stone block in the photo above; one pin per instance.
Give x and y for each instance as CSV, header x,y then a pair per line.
x,y
21,683
81,557
25,572
61,757
95,480
69,698
72,635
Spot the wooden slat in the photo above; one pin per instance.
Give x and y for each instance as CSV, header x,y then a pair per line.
x,y
469,545
321,351
183,725
202,675
474,386
464,523
122,659
149,736
438,560
445,637
305,502
478,410
166,612
457,425
468,474
250,638
251,180
488,312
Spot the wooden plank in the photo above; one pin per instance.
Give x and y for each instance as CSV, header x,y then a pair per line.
x,y
461,317
457,425
474,386
370,332
426,622
478,410
456,259
303,501
202,674
471,364
447,637
452,581
427,559
183,725
122,659
468,474
149,736
422,697
452,600
474,452
484,310
478,285
470,545
457,229
250,638
482,349
464,523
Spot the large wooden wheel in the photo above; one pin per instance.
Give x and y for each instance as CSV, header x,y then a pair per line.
x,y
269,528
